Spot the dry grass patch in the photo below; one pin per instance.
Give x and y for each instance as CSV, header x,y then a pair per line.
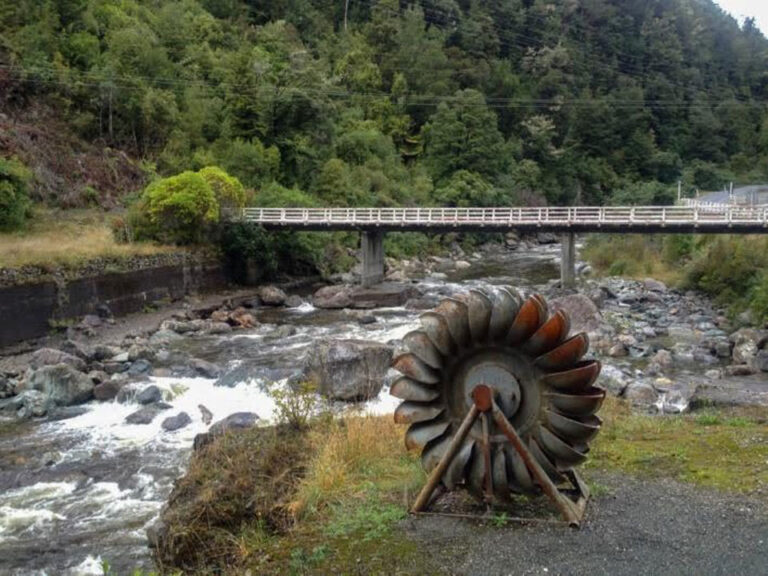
x,y
67,238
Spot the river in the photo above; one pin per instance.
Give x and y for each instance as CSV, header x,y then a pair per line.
x,y
76,492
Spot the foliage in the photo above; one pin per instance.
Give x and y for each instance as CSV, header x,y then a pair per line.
x,y
297,405
228,190
180,208
245,245
14,199
575,106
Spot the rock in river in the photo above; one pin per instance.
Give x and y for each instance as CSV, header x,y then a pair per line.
x,y
149,395
62,384
349,370
146,414
177,422
584,314
51,357
271,296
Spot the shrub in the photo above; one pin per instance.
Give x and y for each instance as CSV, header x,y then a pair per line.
x,y
228,190
246,244
14,199
181,207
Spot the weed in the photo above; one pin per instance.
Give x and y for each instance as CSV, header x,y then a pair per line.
x,y
500,519
707,419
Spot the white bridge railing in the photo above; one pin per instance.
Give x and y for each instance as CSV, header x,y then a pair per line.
x,y
612,216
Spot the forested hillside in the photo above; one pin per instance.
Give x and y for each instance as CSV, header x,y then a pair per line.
x,y
381,102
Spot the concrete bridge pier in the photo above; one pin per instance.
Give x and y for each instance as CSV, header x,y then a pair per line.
x,y
568,260
372,246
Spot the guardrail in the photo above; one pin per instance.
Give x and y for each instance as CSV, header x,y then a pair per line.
x,y
554,216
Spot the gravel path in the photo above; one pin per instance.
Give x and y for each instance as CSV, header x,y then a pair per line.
x,y
633,527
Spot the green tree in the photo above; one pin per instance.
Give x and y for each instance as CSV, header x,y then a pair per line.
x,y
463,135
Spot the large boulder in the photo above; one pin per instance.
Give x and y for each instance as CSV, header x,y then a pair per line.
x,y
31,404
51,357
271,296
348,370
333,297
746,343
585,315
149,395
62,384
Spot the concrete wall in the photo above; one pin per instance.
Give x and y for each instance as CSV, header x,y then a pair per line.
x,y
29,310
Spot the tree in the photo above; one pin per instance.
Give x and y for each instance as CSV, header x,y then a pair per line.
x,y
463,135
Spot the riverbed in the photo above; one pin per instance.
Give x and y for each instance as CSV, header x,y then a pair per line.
x,y
81,491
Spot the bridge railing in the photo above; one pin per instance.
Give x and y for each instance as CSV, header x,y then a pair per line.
x,y
506,216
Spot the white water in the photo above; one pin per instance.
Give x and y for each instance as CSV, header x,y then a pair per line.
x,y
106,481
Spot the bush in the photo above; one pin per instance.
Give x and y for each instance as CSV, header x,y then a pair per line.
x,y
181,208
245,245
14,199
229,192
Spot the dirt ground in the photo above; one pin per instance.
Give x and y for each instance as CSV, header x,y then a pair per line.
x,y
632,527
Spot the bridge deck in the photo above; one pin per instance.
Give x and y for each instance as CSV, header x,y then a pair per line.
x,y
722,219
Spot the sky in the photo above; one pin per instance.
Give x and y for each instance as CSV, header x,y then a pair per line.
x,y
748,8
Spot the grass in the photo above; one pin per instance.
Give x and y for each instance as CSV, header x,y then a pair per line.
x,y
67,238
631,255
340,507
726,449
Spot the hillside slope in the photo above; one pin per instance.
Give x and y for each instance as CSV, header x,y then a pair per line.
x,y
451,102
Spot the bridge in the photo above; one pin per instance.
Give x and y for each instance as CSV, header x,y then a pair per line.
x,y
699,218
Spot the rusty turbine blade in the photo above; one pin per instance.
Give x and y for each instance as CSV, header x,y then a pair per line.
x,y
479,307
527,321
456,317
431,457
544,461
457,468
436,329
517,471
577,431
419,435
499,466
407,389
582,404
549,335
559,450
413,412
409,365
419,344
503,313
582,376
565,355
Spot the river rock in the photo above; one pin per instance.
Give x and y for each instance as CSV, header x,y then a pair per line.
x,y
653,285
283,331
271,296
139,368
294,301
204,368
760,361
107,390
163,337
141,352
746,342
62,384
612,379
618,350
546,238
217,328
79,349
51,357
584,314
641,394
149,395
348,370
147,414
242,318
103,352
177,422
236,421
661,362
739,370
31,404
